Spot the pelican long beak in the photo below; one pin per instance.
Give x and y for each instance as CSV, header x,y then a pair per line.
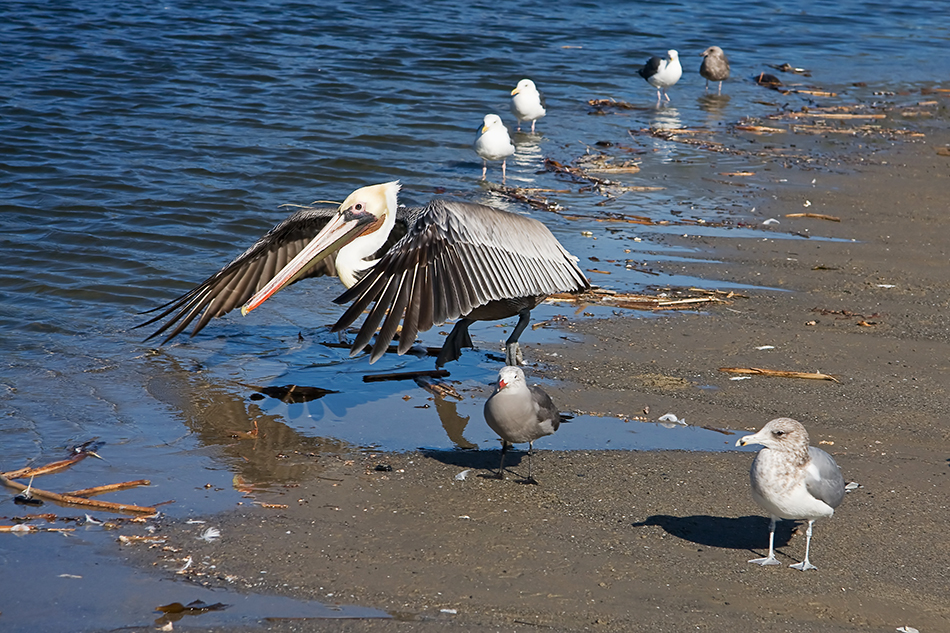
x,y
343,228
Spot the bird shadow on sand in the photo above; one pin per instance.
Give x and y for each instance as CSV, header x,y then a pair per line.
x,y
485,462
748,532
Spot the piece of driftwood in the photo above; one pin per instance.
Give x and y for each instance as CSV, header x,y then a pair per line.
x,y
758,129
53,467
78,501
98,490
439,389
636,302
777,373
407,375
817,216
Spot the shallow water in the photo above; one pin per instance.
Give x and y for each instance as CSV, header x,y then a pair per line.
x,y
142,146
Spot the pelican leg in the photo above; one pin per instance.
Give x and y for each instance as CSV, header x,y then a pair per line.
x,y
501,466
454,342
513,354
770,559
805,565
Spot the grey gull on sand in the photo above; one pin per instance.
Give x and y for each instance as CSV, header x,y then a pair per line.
x,y
493,143
715,66
526,103
519,413
662,73
792,480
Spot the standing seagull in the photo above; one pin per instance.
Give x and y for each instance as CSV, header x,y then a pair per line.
x,y
715,66
662,73
792,480
452,259
493,143
519,413
526,103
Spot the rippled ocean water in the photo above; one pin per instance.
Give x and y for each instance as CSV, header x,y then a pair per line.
x,y
145,144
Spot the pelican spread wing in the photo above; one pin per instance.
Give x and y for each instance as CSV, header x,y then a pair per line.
x,y
456,258
233,285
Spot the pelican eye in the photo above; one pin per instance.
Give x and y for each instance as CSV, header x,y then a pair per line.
x,y
359,206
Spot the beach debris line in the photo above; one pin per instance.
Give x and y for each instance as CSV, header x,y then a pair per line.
x,y
668,299
757,371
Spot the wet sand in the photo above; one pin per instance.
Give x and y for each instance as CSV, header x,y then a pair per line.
x,y
630,541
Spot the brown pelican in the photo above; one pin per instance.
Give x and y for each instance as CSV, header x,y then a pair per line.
x,y
457,260
519,413
792,480
715,66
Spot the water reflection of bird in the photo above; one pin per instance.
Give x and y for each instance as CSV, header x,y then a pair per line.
x,y
662,73
493,143
715,66
526,103
455,259
519,413
792,480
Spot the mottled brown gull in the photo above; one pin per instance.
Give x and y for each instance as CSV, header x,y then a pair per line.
x,y
792,480
715,66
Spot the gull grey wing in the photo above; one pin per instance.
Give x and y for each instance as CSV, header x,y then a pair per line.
x,y
237,282
456,257
823,479
546,408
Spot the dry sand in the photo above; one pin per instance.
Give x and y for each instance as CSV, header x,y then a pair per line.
x,y
658,541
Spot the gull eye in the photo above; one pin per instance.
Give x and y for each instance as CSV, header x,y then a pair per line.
x,y
778,433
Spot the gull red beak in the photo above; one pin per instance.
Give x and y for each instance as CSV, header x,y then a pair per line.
x,y
343,228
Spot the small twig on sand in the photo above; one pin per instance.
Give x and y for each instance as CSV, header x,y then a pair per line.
x,y
98,490
778,373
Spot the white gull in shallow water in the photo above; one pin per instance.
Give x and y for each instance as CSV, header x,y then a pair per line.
x,y
493,143
519,413
792,480
526,103
715,66
662,73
